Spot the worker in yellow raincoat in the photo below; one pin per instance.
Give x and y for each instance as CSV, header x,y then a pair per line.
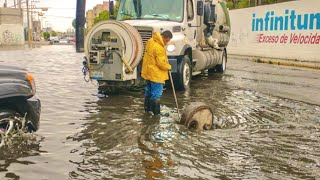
x,y
155,68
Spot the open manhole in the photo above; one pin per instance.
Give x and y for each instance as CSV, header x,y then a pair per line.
x,y
197,116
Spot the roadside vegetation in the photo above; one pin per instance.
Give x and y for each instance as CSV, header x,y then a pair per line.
x,y
105,15
238,4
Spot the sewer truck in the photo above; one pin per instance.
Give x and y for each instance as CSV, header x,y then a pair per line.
x,y
201,30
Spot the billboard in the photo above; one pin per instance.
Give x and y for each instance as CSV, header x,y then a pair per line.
x,y
289,30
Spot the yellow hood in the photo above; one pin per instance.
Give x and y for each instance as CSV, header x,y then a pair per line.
x,y
158,38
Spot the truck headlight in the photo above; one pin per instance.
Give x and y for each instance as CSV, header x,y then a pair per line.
x,y
171,48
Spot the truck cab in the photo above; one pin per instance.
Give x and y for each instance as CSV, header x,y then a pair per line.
x,y
200,28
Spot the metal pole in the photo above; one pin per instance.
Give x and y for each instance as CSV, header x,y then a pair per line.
x,y
174,94
15,4
31,17
28,21
80,21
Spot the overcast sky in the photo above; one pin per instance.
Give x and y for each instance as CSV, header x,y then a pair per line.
x,y
60,13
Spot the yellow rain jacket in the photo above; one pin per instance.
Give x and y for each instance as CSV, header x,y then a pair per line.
x,y
155,64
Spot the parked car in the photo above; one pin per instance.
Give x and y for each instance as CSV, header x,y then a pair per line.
x,y
19,105
54,39
70,39
63,41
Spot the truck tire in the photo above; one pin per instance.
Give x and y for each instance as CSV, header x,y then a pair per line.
x,y
221,68
184,74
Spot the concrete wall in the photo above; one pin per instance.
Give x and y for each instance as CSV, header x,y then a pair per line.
x,y
289,30
11,27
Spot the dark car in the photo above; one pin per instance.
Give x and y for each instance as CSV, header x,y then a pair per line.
x,y
19,105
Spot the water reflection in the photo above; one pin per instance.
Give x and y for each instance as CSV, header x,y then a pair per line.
x,y
263,136
260,136
126,140
18,148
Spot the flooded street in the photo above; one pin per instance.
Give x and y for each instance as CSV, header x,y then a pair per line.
x,y
270,116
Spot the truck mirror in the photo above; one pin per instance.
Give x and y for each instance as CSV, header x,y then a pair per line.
x,y
200,8
111,8
209,14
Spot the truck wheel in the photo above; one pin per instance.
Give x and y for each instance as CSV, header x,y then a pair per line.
x,y
184,74
221,68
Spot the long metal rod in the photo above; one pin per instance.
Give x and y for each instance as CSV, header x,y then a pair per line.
x,y
174,94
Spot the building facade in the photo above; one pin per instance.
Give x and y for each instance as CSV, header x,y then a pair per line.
x,y
11,26
93,13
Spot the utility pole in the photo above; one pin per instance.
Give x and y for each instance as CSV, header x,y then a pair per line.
x,y
31,19
80,21
28,21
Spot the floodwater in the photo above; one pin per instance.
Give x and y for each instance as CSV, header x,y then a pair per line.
x,y
265,133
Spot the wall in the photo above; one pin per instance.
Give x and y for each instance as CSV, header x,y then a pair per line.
x,y
289,30
11,27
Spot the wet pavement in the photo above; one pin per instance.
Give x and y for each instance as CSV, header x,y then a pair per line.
x,y
270,116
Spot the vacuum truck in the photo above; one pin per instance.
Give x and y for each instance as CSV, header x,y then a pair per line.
x,y
201,30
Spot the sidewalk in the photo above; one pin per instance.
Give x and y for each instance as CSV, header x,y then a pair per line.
x,y
285,62
39,42
47,43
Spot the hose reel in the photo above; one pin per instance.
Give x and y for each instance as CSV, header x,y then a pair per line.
x,y
109,39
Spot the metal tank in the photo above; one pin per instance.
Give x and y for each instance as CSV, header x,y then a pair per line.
x,y
215,38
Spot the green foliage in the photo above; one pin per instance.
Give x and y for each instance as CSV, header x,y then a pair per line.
x,y
271,1
104,15
46,35
74,23
230,5
243,4
53,33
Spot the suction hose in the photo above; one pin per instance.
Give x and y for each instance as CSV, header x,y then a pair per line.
x,y
225,10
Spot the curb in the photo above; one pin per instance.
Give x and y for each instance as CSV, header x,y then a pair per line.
x,y
283,62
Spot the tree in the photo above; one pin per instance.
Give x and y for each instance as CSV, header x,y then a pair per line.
x,y
251,3
46,35
104,15
53,33
230,5
270,1
74,23
243,4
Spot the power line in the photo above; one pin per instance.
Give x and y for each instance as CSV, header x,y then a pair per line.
x,y
60,8
59,16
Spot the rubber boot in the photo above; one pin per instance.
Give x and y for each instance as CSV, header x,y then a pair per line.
x,y
147,105
155,106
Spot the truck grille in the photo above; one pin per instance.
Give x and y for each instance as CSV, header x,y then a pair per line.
x,y
146,35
